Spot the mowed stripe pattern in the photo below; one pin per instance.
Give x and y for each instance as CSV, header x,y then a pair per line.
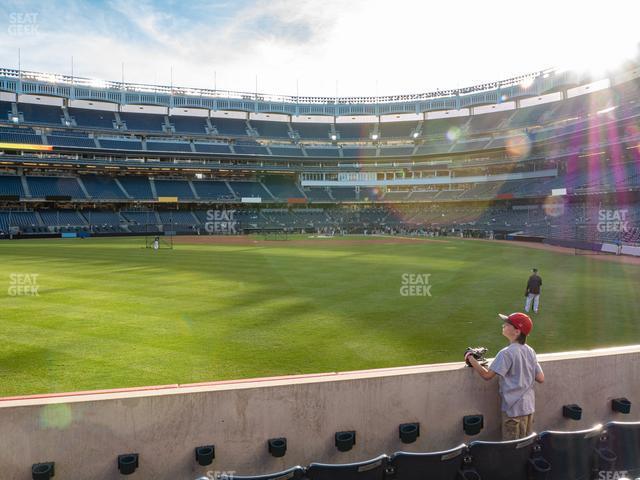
x,y
112,314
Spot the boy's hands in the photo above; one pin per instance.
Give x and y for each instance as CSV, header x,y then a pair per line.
x,y
476,353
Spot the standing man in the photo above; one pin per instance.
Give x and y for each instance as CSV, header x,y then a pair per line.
x,y
156,243
533,292
518,370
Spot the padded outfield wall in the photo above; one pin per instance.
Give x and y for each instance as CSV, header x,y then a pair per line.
x,y
84,432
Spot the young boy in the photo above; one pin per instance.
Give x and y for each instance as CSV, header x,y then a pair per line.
x,y
518,369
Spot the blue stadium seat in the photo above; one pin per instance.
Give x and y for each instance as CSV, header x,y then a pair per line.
x,y
60,218
186,124
500,460
141,218
431,148
292,473
470,145
318,194
230,126
373,469
344,193
397,151
250,148
488,122
530,116
289,151
17,219
623,439
249,189
92,118
102,218
354,131
323,152
271,129
45,114
312,131
440,126
400,130
212,190
178,217
5,111
11,185
71,141
101,187
168,146
137,187
359,151
443,465
569,454
147,122
212,147
20,136
174,188
283,187
370,194
117,144
49,186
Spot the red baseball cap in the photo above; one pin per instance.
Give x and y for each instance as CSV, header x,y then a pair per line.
x,y
519,320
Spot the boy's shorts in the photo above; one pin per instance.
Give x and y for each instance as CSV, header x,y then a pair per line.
x,y
514,428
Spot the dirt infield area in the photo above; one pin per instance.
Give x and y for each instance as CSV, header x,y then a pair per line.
x,y
333,241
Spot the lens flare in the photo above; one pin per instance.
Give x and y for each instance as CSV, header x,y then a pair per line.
x,y
453,134
55,416
553,208
518,146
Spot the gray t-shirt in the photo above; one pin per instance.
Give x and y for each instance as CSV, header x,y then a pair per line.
x,y
517,367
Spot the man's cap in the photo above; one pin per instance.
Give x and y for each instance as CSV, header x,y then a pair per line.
x,y
534,269
519,320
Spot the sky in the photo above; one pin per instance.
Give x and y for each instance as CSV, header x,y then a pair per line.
x,y
313,47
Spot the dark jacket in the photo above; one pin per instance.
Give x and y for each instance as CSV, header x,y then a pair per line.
x,y
534,284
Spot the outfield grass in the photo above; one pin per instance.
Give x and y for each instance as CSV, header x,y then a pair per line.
x,y
112,314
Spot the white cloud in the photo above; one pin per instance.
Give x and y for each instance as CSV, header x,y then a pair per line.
x,y
368,47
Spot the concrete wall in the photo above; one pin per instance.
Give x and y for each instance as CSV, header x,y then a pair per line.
x,y
84,433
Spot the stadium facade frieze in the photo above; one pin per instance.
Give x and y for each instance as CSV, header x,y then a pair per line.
x,y
78,88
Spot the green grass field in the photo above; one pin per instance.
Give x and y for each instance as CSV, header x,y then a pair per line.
x,y
112,314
